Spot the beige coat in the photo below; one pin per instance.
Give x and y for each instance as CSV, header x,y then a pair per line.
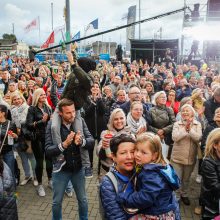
x,y
186,144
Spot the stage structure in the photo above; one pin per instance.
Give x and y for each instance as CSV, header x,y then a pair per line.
x,y
200,35
152,50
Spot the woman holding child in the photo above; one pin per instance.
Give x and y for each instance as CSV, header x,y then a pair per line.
x,y
155,181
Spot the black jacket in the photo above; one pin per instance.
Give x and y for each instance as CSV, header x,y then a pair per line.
x,y
210,194
206,132
8,205
94,116
35,115
3,127
78,87
210,106
72,153
108,102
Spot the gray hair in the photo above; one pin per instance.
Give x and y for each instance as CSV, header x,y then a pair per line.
x,y
112,117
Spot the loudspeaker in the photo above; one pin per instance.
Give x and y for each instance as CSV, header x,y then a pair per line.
x,y
213,10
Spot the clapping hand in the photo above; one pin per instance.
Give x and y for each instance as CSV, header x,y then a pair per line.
x,y
69,139
78,138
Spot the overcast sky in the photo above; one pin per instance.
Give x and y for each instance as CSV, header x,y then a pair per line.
x,y
109,13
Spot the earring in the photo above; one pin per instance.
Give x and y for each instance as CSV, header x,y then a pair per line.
x,y
114,164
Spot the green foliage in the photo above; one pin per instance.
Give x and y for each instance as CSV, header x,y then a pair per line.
x,y
9,37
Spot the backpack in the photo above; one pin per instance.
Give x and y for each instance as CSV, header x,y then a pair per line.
x,y
114,182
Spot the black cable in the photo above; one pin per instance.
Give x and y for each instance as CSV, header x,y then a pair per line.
x,y
117,28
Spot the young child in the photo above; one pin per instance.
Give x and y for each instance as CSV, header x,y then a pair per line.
x,y
77,89
156,182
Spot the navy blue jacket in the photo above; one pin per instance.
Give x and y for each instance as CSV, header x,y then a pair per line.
x,y
154,195
112,209
180,94
72,153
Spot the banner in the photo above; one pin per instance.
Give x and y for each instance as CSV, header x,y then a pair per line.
x,y
33,25
93,25
50,40
130,31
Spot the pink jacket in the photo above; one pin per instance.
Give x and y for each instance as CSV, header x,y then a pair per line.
x,y
186,144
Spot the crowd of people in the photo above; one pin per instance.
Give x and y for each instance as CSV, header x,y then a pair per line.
x,y
149,125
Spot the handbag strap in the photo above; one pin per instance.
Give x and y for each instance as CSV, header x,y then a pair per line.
x,y
5,136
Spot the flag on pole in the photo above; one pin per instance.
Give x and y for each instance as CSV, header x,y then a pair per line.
x,y
50,40
77,36
33,25
93,25
68,37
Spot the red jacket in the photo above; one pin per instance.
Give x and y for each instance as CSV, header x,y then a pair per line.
x,y
175,107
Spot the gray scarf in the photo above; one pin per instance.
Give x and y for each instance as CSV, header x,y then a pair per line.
x,y
135,125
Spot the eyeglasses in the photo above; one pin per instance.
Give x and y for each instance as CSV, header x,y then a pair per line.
x,y
135,93
162,97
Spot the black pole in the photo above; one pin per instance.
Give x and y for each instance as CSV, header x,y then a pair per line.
x,y
117,28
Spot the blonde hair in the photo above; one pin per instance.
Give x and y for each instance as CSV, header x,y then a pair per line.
x,y
17,94
112,117
213,138
36,96
150,83
155,145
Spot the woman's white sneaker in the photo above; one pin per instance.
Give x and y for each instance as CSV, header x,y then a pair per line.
x,y
41,191
25,181
35,182
199,178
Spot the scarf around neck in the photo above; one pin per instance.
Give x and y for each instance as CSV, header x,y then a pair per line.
x,y
135,125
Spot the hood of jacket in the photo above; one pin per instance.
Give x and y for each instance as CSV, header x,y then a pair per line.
x,y
86,64
167,172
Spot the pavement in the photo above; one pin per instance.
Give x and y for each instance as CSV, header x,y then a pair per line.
x,y
33,207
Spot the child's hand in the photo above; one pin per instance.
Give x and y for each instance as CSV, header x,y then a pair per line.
x,y
70,58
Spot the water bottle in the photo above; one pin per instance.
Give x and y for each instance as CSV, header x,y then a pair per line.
x,y
10,140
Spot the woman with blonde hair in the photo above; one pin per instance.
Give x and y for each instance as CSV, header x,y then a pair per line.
x,y
116,126
22,89
150,89
19,110
210,195
38,116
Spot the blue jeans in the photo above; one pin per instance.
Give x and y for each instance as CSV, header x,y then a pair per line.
x,y
9,159
25,157
60,181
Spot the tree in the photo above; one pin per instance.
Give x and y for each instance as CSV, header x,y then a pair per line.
x,y
11,37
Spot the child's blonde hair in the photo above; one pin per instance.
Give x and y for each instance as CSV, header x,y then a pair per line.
x,y
155,145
